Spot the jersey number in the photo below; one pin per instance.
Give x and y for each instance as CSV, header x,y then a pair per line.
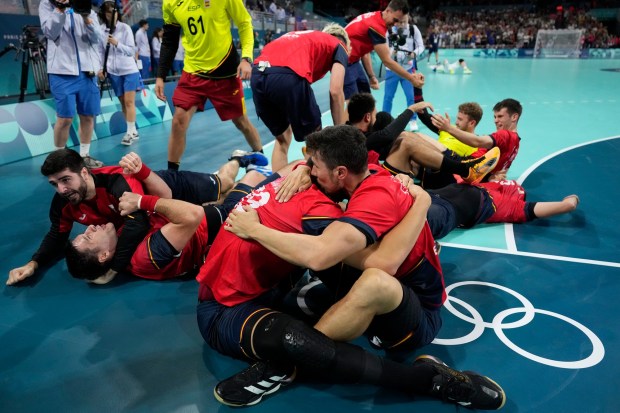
x,y
193,27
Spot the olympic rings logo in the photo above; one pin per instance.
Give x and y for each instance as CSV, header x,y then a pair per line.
x,y
528,310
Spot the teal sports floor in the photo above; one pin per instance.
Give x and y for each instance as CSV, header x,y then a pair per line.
x,y
534,306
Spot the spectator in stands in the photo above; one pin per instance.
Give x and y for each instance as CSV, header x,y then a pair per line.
x,y
72,63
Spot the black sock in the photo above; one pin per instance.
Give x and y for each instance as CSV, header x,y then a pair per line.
x,y
455,167
174,165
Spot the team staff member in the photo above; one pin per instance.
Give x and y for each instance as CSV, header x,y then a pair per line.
x,y
90,197
212,69
367,33
281,80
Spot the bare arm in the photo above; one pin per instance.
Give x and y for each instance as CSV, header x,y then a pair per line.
x,y
383,51
153,184
471,139
336,94
367,63
339,240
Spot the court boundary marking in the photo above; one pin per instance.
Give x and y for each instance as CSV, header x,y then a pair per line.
x,y
532,255
511,244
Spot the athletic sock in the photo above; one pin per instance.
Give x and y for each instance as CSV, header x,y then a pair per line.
x,y
84,149
131,127
174,165
455,167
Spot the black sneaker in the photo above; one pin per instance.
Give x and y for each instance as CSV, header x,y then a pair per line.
x,y
248,387
466,388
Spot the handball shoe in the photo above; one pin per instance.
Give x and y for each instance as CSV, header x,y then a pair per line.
x,y
482,166
248,387
245,158
467,388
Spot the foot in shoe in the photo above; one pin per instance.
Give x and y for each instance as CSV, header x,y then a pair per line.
x,y
482,166
245,158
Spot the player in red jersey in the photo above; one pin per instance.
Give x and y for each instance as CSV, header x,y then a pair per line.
x,y
281,79
178,240
236,315
89,197
464,206
367,32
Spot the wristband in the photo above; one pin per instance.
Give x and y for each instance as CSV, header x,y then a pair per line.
x,y
302,163
143,173
147,202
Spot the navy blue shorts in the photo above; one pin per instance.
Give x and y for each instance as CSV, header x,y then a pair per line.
x,y
194,187
441,216
283,98
355,80
221,326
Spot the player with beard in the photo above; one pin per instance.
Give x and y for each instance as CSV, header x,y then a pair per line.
x,y
396,304
90,197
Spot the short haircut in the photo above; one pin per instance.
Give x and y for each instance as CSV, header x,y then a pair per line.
x,y
359,105
342,145
142,22
383,119
512,106
338,31
399,5
85,265
61,159
471,109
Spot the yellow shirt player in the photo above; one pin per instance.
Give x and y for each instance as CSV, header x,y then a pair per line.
x,y
212,69
455,145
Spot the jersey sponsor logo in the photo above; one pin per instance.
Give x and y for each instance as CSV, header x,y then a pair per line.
x,y
112,207
82,218
192,7
207,3
235,92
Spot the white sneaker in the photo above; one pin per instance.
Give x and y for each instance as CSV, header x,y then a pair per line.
x,y
413,126
129,138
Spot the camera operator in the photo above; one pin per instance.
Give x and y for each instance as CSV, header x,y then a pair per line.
x,y
73,35
406,44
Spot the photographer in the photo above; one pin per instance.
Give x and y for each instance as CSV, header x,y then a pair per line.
x,y
73,36
406,44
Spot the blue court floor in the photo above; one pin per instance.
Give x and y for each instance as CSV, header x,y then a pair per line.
x,y
534,306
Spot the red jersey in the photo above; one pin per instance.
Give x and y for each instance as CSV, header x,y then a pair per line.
x,y
110,184
310,54
365,31
508,144
509,201
238,270
377,205
160,262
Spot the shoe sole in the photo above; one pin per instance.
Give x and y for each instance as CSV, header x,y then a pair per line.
x,y
491,167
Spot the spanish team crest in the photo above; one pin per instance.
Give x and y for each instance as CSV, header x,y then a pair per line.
x,y
207,3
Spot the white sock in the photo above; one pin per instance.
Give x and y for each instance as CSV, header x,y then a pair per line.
x,y
84,149
59,147
131,127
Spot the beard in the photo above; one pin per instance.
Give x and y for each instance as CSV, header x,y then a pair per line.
x,y
77,196
337,196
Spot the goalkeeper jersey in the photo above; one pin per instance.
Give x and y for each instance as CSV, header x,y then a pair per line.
x,y
207,36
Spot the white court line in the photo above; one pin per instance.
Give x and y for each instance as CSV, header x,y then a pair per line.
x,y
511,244
533,254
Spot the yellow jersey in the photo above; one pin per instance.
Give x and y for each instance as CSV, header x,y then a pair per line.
x,y
207,36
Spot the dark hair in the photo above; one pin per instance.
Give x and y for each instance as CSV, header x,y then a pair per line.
x,y
342,145
61,159
401,5
85,265
106,6
471,109
142,22
383,119
512,106
359,105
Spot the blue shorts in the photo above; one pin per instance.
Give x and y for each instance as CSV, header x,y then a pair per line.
x,y
125,83
75,92
355,80
283,98
221,326
193,187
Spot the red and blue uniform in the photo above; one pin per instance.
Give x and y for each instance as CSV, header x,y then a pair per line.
x,y
508,144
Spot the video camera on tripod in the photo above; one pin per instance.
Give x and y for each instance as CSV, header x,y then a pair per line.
x,y
33,49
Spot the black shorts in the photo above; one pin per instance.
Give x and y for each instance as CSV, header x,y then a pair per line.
x,y
193,187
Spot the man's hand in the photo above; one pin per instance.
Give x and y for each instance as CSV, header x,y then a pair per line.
x,y
131,163
440,122
242,223
21,273
420,106
159,89
417,79
298,180
128,203
244,70
374,83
